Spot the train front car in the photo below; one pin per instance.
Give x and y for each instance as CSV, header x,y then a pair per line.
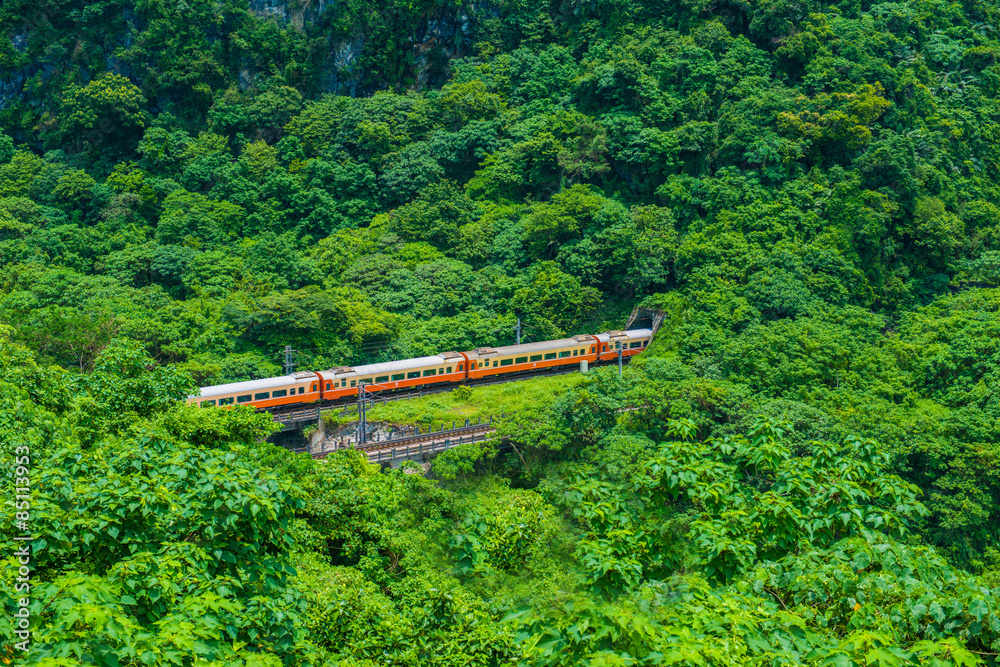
x,y
394,375
300,387
630,342
530,357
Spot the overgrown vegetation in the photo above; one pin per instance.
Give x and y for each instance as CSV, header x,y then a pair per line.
x,y
803,469
475,403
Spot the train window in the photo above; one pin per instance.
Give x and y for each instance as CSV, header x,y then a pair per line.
x,y
605,347
280,393
367,380
343,383
414,374
440,371
550,355
564,354
244,399
398,376
207,403
460,366
261,397
226,401
328,386
302,390
574,353
354,383
495,363
536,357
506,362
429,372
449,369
521,360
382,378
636,344
591,349
313,388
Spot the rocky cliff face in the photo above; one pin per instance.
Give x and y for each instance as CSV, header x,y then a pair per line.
x,y
444,36
435,39
11,86
438,38
298,12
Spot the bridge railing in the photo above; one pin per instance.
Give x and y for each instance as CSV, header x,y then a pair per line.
x,y
421,449
412,436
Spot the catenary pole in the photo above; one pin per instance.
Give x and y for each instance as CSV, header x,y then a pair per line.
x,y
362,416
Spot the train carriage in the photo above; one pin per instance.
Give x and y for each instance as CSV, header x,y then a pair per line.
x,y
489,361
300,387
391,375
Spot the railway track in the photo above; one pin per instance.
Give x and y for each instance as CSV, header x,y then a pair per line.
x,y
310,413
406,447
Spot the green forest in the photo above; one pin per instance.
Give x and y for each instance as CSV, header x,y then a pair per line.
x,y
802,469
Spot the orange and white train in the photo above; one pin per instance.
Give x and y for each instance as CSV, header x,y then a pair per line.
x,y
306,387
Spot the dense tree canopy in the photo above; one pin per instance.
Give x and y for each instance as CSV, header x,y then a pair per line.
x,y
803,469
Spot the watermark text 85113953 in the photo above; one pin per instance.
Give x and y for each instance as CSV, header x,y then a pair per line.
x,y
22,552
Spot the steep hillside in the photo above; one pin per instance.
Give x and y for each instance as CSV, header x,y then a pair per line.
x,y
810,190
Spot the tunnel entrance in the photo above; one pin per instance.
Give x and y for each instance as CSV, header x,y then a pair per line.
x,y
645,318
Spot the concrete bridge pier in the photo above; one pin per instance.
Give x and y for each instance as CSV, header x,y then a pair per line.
x,y
301,431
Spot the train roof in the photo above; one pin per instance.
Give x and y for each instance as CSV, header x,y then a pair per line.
x,y
540,346
631,333
401,365
256,385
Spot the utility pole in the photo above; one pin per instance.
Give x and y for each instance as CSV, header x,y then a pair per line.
x,y
517,331
362,416
289,364
619,346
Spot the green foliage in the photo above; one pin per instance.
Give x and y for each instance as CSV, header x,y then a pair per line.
x,y
503,535
752,499
478,403
125,384
460,461
110,105
808,191
149,547
192,219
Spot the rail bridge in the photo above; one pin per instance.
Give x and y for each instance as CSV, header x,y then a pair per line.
x,y
410,443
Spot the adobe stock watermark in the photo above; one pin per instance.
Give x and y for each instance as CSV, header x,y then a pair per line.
x,y
22,539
